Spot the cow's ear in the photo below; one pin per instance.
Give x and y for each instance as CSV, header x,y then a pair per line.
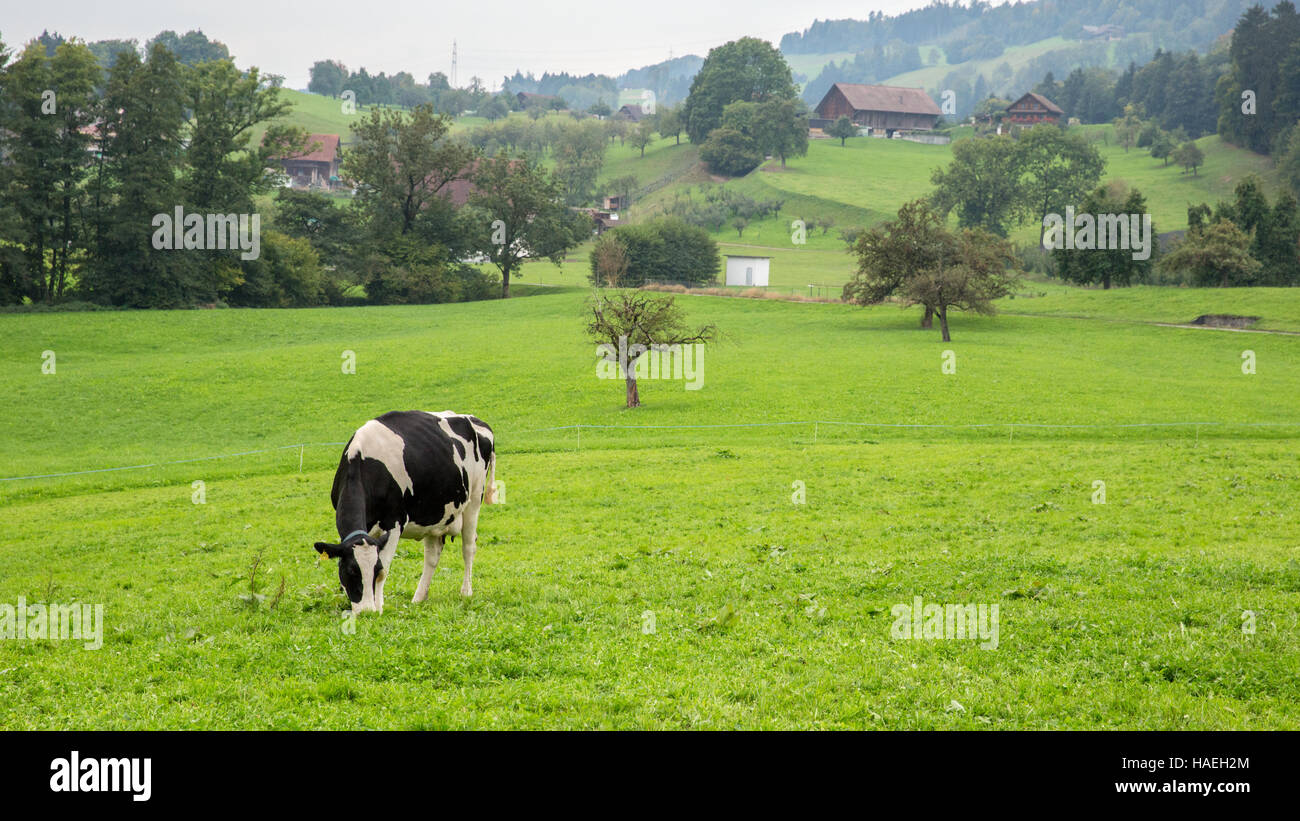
x,y
330,551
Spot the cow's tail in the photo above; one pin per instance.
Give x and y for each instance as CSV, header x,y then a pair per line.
x,y
490,491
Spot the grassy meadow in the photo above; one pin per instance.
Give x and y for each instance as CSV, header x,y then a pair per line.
x,y
643,577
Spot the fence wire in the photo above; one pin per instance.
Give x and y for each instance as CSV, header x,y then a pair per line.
x,y
815,424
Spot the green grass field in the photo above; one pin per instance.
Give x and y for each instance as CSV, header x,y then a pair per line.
x,y
656,577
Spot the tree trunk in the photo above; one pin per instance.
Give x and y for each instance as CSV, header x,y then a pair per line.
x,y
943,323
505,284
927,321
633,399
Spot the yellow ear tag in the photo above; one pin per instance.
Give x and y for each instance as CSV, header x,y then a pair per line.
x,y
324,555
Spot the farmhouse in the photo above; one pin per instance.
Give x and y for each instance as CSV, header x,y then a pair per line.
x,y
880,108
527,99
630,112
747,270
1033,108
318,168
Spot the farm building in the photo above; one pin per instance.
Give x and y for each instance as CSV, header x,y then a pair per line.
x,y
880,108
1033,108
528,99
318,168
631,112
748,270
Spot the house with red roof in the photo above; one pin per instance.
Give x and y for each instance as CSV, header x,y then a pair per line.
x,y
319,167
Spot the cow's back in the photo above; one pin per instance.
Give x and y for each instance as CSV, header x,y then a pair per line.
x,y
419,468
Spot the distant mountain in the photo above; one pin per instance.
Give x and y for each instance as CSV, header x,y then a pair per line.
x,y
669,80
1176,24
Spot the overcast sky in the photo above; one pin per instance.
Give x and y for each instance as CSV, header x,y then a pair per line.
x,y
494,37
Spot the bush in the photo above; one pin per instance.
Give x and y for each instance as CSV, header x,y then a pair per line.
x,y
287,274
727,151
665,250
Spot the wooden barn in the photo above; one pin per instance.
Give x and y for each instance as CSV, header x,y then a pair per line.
x,y
880,108
1032,109
318,168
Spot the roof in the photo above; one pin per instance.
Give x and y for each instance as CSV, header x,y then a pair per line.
x,y
1041,100
745,256
327,149
888,98
632,110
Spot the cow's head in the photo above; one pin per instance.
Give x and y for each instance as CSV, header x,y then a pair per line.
x,y
361,569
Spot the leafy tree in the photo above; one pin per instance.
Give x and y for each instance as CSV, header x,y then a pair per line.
x,y
637,322
140,176
327,77
918,261
747,69
1058,169
225,105
1162,146
579,150
1215,255
518,215
668,121
643,135
600,108
1108,266
1128,126
842,129
730,152
1189,156
192,48
49,161
400,163
314,217
781,128
982,184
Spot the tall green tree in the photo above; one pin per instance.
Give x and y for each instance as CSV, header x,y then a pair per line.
x,y
52,110
1107,266
518,214
747,69
140,177
1058,169
982,184
400,163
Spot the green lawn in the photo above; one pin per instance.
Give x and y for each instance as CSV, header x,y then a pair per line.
x,y
765,613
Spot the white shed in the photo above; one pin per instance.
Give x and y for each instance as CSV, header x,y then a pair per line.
x,y
748,270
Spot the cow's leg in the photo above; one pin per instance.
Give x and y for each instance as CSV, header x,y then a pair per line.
x,y
468,543
432,552
387,552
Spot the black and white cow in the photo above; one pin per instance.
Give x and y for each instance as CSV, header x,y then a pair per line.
x,y
408,475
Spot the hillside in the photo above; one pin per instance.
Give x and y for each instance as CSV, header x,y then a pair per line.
x,y
867,180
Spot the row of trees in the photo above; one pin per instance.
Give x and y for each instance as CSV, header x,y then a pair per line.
x,y
994,183
1244,241
91,158
332,78
405,239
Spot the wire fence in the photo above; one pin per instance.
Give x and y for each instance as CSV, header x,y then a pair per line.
x,y
815,426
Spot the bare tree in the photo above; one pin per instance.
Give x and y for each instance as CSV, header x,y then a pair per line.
x,y
629,324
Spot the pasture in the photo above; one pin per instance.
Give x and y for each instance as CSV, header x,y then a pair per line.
x,y
666,578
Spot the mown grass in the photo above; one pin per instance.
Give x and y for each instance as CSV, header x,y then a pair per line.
x,y
765,613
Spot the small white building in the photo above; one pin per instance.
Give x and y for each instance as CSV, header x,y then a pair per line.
x,y
752,271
